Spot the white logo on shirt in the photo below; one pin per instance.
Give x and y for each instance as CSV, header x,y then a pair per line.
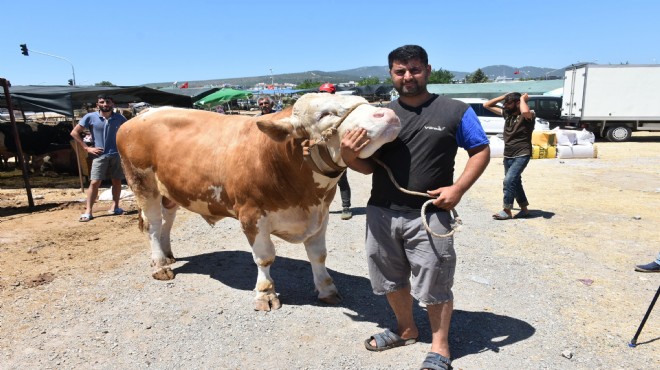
x,y
434,128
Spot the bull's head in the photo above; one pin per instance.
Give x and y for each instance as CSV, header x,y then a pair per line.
x,y
326,117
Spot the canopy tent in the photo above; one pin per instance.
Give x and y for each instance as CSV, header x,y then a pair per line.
x,y
222,96
65,99
195,93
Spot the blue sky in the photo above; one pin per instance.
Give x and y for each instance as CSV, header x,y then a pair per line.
x,y
136,42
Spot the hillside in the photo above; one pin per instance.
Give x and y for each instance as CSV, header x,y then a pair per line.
x,y
357,74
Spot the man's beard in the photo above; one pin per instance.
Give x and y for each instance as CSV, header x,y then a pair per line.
x,y
105,109
410,90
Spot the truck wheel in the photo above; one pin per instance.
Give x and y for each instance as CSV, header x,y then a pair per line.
x,y
619,134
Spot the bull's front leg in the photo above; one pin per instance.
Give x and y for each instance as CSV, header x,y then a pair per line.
x,y
263,253
317,253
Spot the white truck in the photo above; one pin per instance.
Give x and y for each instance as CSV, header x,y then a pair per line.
x,y
612,101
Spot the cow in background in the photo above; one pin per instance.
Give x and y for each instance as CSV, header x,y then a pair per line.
x,y
251,169
37,140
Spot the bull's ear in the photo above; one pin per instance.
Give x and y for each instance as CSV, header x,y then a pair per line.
x,y
277,130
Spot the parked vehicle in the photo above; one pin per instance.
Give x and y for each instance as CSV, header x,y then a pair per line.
x,y
491,122
548,108
612,101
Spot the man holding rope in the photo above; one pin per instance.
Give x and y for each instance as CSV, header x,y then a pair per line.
x,y
405,261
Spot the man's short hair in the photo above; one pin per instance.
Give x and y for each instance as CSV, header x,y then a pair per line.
x,y
105,97
267,99
406,53
514,96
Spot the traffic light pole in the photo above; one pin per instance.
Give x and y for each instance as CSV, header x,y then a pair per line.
x,y
51,55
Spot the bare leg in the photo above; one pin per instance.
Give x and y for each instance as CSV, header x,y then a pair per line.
x,y
116,193
440,318
402,304
92,193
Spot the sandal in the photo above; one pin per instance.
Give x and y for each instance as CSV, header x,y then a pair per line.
x,y
85,217
387,340
436,361
116,212
501,216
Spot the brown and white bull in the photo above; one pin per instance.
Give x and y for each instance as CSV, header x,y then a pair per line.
x,y
251,169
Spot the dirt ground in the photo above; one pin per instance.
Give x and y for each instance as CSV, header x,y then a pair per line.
x,y
603,210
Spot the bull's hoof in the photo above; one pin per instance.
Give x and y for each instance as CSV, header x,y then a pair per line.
x,y
332,299
265,304
169,260
163,273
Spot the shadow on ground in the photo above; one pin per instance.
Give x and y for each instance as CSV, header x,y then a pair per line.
x,y
472,332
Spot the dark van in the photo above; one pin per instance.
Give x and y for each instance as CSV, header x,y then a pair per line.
x,y
548,108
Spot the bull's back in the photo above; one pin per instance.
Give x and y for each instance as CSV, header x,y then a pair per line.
x,y
165,134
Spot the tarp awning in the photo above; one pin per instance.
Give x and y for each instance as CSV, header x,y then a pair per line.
x,y
65,99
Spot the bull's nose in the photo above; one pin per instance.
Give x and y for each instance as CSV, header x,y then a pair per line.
x,y
383,112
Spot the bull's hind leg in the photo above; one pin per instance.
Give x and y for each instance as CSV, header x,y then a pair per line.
x,y
161,258
316,252
168,212
159,214
263,253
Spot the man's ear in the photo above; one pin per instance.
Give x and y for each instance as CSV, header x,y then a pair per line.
x,y
278,130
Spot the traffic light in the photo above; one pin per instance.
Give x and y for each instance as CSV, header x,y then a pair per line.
x,y
24,50
70,82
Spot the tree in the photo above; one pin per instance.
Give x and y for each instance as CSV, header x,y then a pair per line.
x,y
477,77
104,83
308,84
440,77
369,81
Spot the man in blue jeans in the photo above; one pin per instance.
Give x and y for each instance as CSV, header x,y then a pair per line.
x,y
518,127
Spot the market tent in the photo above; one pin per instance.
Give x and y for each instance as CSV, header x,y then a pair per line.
x,y
195,93
222,96
65,99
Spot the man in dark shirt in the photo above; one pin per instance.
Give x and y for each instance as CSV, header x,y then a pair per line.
x,y
405,261
518,128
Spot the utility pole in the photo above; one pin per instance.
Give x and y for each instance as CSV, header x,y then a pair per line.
x,y
25,51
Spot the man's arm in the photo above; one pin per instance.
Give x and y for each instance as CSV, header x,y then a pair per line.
x,y
351,145
77,133
491,105
524,108
449,197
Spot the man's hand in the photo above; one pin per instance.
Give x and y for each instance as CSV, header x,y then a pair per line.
x,y
352,143
447,197
525,97
94,150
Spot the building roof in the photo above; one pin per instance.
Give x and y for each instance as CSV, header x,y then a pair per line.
x,y
491,90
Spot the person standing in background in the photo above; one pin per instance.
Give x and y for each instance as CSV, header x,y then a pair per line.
x,y
103,126
518,127
344,187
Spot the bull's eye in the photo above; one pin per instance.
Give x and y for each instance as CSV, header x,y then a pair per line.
x,y
324,114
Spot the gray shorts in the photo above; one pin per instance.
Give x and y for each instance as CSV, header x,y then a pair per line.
x,y
401,253
106,166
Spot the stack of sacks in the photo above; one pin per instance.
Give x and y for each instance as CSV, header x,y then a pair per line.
x,y
575,144
496,147
544,144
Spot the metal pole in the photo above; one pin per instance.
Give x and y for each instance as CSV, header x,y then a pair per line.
x,y
5,85
58,57
633,342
